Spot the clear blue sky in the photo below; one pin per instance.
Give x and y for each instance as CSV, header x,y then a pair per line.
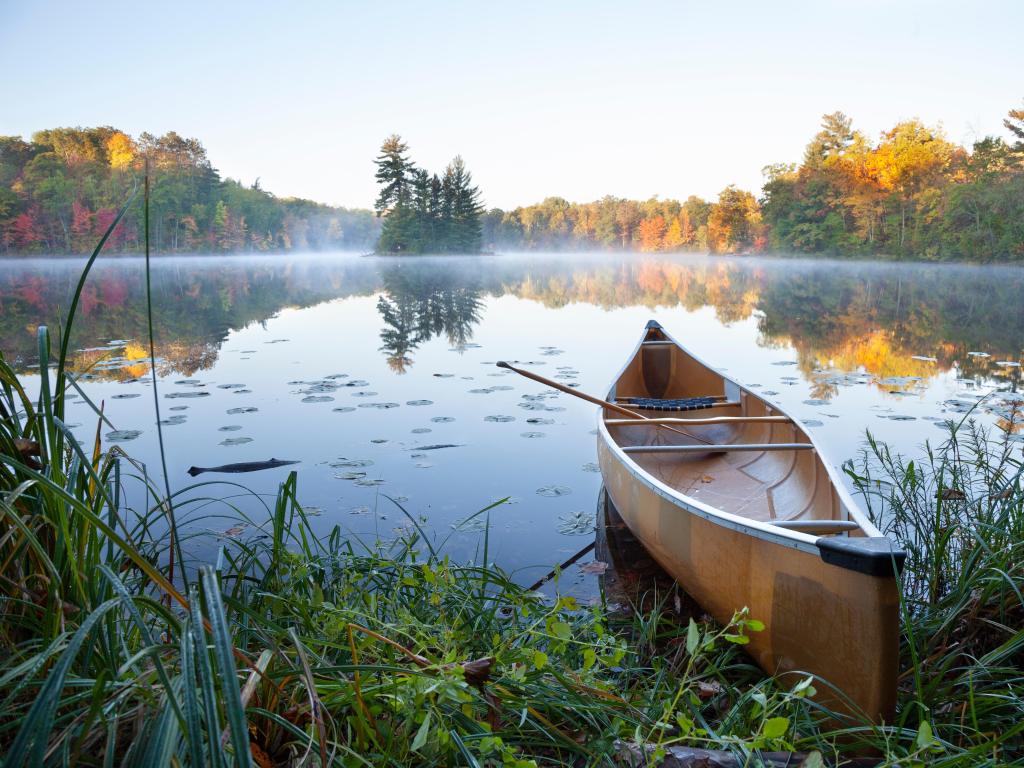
x,y
577,99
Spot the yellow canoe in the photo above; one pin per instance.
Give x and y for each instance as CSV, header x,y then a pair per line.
x,y
732,497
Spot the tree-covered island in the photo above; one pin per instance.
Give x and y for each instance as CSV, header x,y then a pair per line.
x,y
424,212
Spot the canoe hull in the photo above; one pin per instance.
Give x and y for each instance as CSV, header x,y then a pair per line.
x,y
836,623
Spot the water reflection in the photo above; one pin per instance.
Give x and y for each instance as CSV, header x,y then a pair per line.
x,y
900,323
420,301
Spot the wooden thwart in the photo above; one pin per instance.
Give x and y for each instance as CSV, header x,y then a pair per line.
x,y
698,422
717,448
817,526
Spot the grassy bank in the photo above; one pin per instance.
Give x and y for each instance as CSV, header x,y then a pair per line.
x,y
117,649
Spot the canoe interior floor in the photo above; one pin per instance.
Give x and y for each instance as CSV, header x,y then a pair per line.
x,y
764,486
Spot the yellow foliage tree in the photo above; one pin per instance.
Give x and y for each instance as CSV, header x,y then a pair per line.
x,y
674,239
120,151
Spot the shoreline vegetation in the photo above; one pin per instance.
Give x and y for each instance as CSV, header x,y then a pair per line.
x,y
120,648
909,195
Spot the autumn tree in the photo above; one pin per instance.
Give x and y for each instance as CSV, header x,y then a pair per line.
x,y
734,222
652,234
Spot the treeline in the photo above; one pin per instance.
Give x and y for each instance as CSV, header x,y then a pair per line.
x,y
911,194
60,191
730,225
423,212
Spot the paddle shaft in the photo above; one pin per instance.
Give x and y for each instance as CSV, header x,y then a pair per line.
x,y
596,400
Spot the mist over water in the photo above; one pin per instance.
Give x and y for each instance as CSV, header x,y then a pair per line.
x,y
378,375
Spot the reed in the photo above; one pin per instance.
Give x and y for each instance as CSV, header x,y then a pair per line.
x,y
294,649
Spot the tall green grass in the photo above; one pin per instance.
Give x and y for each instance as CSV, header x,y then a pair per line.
x,y
295,649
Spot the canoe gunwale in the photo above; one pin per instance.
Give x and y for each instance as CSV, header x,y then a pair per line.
x,y
762,530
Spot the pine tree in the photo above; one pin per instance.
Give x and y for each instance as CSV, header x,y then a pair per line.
x,y
1014,123
435,205
423,235
466,235
394,172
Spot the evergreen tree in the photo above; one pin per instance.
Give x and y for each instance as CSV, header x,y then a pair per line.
x,y
1014,123
434,207
394,174
466,210
424,235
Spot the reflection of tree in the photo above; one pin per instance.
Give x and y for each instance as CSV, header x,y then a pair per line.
x,y
846,316
196,303
421,301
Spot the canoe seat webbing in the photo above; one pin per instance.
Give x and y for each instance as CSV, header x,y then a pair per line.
x,y
682,404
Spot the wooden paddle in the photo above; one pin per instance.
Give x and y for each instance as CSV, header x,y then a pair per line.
x,y
598,401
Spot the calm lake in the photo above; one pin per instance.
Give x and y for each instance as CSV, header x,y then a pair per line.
x,y
378,374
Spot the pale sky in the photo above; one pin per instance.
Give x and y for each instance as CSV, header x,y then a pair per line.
x,y
576,99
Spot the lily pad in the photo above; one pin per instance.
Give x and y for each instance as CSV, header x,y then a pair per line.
x,y
576,524
419,402
230,428
351,463
551,491
126,396
443,419
343,409
500,419
244,409
380,406
176,395
123,435
236,441
318,399
421,430
350,475
532,435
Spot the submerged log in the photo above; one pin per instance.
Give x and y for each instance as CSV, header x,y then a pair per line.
x,y
242,466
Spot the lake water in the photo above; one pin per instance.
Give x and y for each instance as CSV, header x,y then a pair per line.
x,y
359,368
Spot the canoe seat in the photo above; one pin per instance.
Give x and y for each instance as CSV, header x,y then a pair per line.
x,y
680,404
